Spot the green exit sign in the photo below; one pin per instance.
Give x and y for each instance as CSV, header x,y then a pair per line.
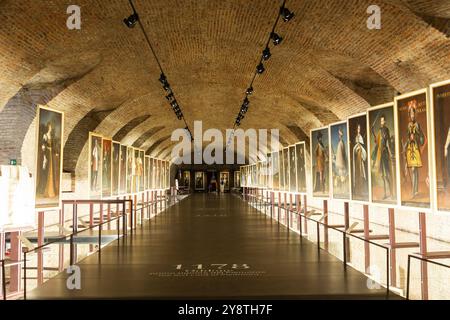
x,y
13,162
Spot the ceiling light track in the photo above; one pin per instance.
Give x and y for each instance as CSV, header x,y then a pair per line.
x,y
131,22
276,40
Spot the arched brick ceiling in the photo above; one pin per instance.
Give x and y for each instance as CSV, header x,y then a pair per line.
x,y
328,67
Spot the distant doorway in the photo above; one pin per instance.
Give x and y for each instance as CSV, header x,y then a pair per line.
x,y
212,181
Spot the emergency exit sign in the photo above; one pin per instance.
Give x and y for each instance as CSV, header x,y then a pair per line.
x,y
13,162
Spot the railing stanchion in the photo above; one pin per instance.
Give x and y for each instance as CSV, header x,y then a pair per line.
x,y
408,277
24,274
344,240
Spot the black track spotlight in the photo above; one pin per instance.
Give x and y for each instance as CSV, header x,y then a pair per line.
x,y
266,54
286,14
276,39
238,122
170,96
249,91
174,104
167,87
246,102
163,78
260,68
131,21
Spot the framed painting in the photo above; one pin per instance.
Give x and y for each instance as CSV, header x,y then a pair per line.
x,y
115,168
300,155
130,169
95,165
147,172
292,170
199,181
413,151
106,167
440,111
186,182
167,175
282,175
319,162
382,158
224,181
276,170
237,179
339,160
358,153
140,170
269,172
123,170
286,168
49,157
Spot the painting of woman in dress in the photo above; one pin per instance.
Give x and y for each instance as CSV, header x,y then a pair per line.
x,y
115,168
413,150
123,170
440,94
319,162
95,165
49,158
130,169
106,167
359,162
339,161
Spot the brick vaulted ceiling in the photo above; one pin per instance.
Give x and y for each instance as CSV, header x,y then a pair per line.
x,y
103,77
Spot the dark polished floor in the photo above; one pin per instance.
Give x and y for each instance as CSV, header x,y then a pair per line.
x,y
210,246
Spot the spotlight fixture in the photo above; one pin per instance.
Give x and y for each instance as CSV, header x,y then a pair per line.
x,y
249,91
174,104
167,87
238,122
131,21
246,102
260,68
286,14
170,96
276,39
266,54
163,78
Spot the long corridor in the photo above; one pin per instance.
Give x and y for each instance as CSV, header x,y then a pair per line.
x,y
211,246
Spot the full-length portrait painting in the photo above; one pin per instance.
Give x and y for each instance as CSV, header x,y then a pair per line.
x,y
339,160
95,165
49,157
115,168
301,167
140,165
412,150
199,181
130,169
320,162
358,153
292,170
237,179
286,169
276,170
440,97
123,170
186,179
106,167
147,172
224,181
382,159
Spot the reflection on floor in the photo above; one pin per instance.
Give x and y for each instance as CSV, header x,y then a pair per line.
x,y
212,246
